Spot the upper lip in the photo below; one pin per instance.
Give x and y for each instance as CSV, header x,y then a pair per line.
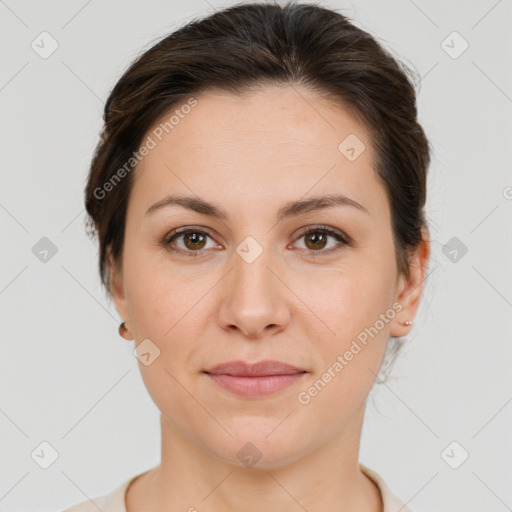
x,y
267,367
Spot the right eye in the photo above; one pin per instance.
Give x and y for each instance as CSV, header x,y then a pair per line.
x,y
193,241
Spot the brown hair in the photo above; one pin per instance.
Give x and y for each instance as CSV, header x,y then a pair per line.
x,y
250,45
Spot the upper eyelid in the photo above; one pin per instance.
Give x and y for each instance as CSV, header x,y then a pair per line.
x,y
180,231
321,227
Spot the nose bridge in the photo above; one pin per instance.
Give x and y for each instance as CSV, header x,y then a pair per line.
x,y
254,298
252,278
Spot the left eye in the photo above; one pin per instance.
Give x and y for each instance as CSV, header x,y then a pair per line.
x,y
316,239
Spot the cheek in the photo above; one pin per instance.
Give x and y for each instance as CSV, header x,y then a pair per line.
x,y
349,353
347,300
172,311
166,310
350,334
158,295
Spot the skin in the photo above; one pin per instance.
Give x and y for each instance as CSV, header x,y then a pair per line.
x,y
249,155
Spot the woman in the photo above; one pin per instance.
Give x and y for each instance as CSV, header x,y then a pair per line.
x,y
258,196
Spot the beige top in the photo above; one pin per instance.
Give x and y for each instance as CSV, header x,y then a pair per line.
x,y
115,501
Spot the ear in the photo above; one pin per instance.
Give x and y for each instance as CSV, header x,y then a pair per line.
x,y
409,290
116,281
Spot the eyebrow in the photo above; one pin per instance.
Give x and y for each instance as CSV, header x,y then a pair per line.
x,y
290,209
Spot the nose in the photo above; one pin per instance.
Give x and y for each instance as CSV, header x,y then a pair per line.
x,y
254,298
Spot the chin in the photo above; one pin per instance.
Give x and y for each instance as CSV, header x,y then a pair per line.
x,y
253,447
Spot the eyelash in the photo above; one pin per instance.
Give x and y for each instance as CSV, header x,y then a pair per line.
x,y
343,239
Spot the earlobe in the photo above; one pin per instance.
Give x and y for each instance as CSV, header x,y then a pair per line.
x,y
116,284
410,289
124,332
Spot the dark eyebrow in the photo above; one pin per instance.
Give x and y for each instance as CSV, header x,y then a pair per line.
x,y
317,203
291,209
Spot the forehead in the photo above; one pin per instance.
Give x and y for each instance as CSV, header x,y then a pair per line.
x,y
273,141
287,115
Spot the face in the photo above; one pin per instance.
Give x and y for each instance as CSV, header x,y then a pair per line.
x,y
309,285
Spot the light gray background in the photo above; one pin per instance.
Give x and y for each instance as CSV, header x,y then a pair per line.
x,y
67,378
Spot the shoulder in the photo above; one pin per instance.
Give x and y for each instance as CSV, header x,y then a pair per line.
x,y
112,502
390,501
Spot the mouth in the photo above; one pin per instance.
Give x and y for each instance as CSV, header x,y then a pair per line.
x,y
255,380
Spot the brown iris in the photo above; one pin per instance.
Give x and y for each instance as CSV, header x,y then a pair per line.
x,y
195,239
316,238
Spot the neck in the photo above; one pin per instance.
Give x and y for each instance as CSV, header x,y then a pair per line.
x,y
192,478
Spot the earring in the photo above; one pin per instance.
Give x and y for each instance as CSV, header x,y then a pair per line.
x,y
407,322
122,329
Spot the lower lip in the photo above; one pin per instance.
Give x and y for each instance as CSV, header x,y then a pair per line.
x,y
256,386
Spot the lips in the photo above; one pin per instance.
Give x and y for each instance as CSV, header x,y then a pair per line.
x,y
259,369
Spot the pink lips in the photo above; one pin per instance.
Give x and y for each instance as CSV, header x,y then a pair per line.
x,y
255,380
